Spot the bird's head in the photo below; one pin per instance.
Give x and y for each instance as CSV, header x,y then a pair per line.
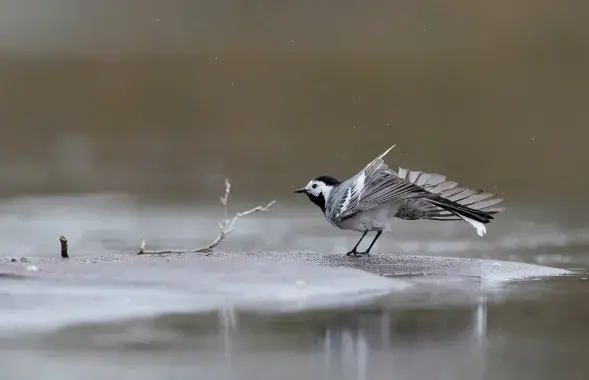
x,y
318,189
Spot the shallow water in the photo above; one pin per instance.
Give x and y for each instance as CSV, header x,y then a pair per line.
x,y
534,337
161,319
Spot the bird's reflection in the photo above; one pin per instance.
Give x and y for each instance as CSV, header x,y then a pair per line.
x,y
399,336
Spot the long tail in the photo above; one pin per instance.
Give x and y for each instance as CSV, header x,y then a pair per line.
x,y
474,217
475,207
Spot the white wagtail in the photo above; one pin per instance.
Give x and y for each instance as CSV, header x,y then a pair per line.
x,y
369,200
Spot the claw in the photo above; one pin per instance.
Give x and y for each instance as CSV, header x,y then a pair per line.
x,y
356,253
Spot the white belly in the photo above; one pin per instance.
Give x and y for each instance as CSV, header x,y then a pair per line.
x,y
378,219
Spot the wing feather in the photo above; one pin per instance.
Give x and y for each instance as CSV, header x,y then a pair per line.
x,y
381,186
473,199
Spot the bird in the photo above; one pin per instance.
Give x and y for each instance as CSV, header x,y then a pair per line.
x,y
372,198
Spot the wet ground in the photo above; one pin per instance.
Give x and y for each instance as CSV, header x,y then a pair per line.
x,y
278,299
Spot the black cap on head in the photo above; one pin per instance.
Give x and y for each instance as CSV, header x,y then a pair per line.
x,y
328,180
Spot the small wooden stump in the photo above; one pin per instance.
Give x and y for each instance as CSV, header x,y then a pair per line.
x,y
63,241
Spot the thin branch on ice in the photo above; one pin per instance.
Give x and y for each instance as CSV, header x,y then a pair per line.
x,y
225,227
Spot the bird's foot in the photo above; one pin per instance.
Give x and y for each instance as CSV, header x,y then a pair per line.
x,y
356,253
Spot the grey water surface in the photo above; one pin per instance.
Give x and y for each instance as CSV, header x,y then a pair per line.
x,y
273,302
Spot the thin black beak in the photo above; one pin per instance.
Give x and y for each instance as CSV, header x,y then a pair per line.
x,y
301,190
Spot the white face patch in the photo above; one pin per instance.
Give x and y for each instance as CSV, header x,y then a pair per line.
x,y
317,187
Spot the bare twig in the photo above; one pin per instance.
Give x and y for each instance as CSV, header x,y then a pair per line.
x,y
225,227
63,242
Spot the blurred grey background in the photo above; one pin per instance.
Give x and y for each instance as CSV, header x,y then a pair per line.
x,y
165,99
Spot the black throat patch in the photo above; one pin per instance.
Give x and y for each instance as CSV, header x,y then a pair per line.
x,y
319,200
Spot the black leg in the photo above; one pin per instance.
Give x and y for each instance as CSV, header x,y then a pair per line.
x,y
371,244
353,251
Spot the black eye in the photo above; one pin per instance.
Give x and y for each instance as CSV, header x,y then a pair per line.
x,y
314,186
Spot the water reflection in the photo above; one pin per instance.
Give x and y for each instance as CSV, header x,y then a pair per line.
x,y
482,340
370,346
335,345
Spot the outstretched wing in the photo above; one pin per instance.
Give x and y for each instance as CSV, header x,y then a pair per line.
x,y
374,186
419,195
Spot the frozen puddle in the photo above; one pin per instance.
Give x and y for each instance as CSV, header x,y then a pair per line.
x,y
106,288
61,294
